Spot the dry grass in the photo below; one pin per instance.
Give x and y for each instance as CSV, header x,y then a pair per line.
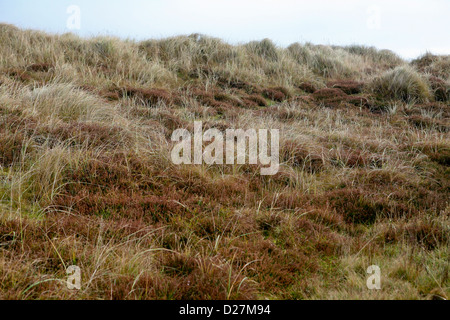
x,y
86,177
401,83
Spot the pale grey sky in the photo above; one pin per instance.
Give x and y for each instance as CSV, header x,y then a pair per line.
x,y
408,27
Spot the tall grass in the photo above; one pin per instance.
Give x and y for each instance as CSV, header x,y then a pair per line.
x,y
402,83
86,177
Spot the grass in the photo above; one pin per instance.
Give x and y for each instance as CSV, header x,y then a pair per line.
x,y
86,177
402,83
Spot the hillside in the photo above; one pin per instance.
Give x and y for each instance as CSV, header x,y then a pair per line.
x,y
86,176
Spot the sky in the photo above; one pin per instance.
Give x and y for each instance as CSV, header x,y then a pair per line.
x,y
408,27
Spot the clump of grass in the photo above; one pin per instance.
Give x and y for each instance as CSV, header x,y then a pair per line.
x,y
65,102
265,48
440,88
438,66
402,83
324,60
382,58
44,177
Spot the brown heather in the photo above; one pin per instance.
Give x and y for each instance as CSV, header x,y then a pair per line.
x,y
86,177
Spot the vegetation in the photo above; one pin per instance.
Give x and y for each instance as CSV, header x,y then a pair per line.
x,y
402,83
86,177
